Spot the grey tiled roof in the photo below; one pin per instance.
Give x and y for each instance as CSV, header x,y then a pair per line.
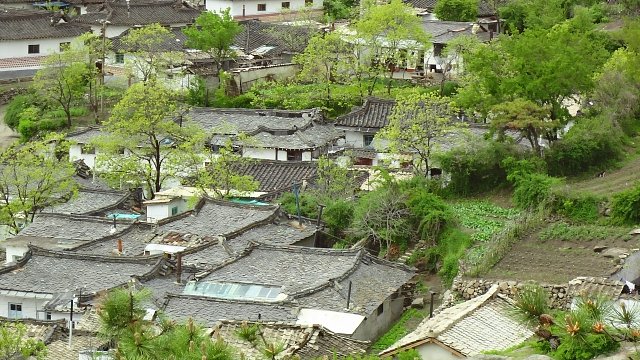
x,y
236,121
444,31
296,269
141,12
61,230
256,33
90,201
308,342
481,324
374,115
485,8
36,24
277,175
218,218
422,4
53,272
272,234
209,310
84,136
373,280
310,138
134,240
177,42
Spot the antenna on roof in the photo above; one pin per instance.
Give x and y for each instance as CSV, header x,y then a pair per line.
x,y
128,8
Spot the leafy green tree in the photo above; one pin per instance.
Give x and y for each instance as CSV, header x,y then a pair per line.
x,y
519,15
221,173
62,80
335,181
15,344
457,10
31,178
338,9
382,217
391,33
324,61
418,126
214,33
146,45
540,65
530,119
155,146
94,48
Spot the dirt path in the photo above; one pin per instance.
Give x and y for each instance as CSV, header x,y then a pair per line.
x,y
7,136
611,183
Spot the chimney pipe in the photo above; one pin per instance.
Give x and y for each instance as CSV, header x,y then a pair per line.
x,y
349,295
433,294
316,236
179,268
120,246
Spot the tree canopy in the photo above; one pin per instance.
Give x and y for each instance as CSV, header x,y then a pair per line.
x,y
214,33
143,143
457,10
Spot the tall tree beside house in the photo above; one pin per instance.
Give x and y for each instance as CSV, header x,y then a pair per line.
x,y
393,35
93,51
143,144
62,79
324,61
457,10
452,56
546,66
220,173
31,178
418,127
214,33
530,119
16,344
147,45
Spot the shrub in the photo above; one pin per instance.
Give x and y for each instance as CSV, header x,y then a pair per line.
x,y
15,108
533,190
590,145
532,301
476,169
338,216
581,208
308,205
397,331
451,248
625,208
584,347
428,213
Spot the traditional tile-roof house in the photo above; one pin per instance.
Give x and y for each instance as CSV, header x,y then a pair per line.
x,y
486,8
122,15
276,177
348,292
271,40
41,276
91,202
307,342
27,36
273,134
481,324
245,9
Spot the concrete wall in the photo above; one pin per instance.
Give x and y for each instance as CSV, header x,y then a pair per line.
x,y
20,48
14,253
32,308
375,325
247,77
251,6
260,153
75,153
161,211
432,351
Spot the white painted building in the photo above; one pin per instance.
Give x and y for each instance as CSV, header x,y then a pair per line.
x,y
257,8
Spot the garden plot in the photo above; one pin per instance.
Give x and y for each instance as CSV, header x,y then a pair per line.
x,y
561,252
482,219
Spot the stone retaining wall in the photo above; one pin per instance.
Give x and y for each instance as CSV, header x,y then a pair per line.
x,y
7,95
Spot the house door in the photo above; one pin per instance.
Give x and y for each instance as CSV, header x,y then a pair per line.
x,y
294,155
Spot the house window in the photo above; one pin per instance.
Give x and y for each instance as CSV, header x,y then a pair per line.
x,y
286,5
174,210
34,49
294,155
262,7
47,315
380,309
88,150
120,151
437,49
308,2
367,139
64,46
119,58
15,311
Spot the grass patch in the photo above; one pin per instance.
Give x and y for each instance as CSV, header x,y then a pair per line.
x,y
483,218
397,331
566,232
